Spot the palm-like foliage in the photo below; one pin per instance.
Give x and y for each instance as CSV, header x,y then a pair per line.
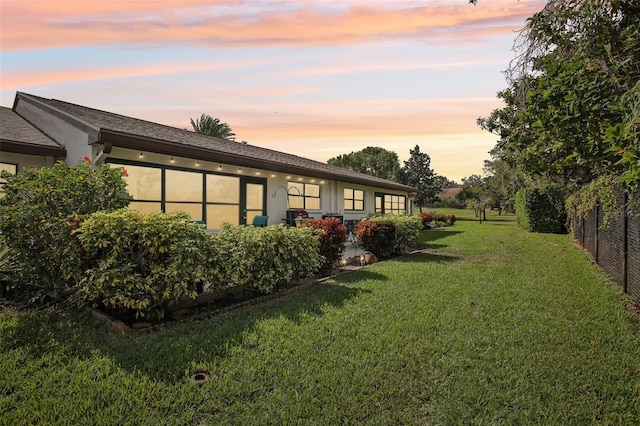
x,y
207,125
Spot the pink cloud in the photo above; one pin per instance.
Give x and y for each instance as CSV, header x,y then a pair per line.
x,y
24,78
43,24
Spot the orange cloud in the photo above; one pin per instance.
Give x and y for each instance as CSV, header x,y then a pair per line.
x,y
43,24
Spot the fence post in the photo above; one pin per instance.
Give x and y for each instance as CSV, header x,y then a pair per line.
x,y
595,235
625,241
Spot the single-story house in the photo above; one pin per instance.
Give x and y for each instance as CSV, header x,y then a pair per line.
x,y
171,169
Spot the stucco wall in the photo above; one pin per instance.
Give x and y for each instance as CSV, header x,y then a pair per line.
x,y
74,140
25,161
331,192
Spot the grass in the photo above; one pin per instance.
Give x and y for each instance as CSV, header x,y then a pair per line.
x,y
493,326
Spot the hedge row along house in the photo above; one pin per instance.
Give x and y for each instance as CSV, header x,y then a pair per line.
x,y
170,169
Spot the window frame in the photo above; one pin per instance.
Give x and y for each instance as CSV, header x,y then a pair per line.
x,y
383,196
242,180
353,199
304,195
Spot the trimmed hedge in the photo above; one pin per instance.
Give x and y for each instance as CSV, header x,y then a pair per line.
x,y
541,210
387,235
142,263
264,259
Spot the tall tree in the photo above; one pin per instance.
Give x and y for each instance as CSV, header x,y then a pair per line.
x,y
207,125
417,172
572,106
374,161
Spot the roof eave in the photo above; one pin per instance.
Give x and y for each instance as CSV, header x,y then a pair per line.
x,y
31,149
125,140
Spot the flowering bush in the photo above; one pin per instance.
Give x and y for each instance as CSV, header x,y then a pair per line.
x,y
332,239
40,209
451,219
426,218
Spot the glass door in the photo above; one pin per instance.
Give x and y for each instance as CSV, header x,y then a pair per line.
x,y
253,200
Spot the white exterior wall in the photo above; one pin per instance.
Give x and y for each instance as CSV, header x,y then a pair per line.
x,y
25,161
331,192
73,139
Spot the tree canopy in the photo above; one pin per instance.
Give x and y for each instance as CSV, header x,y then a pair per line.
x,y
207,125
417,172
374,161
571,109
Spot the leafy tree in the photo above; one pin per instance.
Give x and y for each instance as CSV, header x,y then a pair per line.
x,y
473,194
571,111
443,182
417,172
207,125
502,181
40,210
374,161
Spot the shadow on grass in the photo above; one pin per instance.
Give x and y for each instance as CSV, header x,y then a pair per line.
x,y
168,352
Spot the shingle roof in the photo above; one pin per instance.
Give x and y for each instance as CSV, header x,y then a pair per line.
x,y
449,192
18,135
138,134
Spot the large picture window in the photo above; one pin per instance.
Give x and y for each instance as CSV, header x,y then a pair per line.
x,y
353,199
391,204
213,198
304,196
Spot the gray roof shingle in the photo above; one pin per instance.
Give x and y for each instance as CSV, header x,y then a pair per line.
x,y
16,131
124,129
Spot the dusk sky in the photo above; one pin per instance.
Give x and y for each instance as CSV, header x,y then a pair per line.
x,y
311,78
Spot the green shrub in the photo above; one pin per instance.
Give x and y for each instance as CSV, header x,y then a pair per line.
x,y
40,209
407,232
541,209
386,235
332,237
266,258
378,237
140,264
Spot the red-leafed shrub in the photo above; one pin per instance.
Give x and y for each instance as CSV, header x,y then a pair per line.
x,y
427,218
378,237
451,219
332,239
440,217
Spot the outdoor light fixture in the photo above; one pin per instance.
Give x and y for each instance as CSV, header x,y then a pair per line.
x,y
141,155
219,166
197,163
239,170
273,175
172,160
257,172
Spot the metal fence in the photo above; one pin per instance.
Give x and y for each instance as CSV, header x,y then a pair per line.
x,y
616,248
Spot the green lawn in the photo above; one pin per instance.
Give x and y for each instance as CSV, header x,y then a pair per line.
x,y
494,326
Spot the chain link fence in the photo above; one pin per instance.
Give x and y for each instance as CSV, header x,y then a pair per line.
x,y
616,248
